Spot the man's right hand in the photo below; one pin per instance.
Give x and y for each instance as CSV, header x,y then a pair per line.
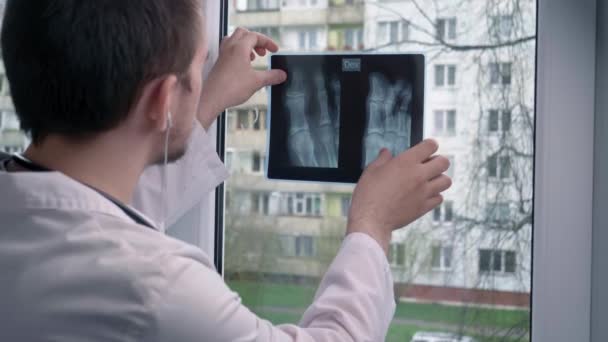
x,y
395,191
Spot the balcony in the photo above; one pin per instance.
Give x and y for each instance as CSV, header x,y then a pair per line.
x,y
246,140
333,15
258,182
345,14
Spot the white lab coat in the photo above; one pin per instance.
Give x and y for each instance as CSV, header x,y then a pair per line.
x,y
75,268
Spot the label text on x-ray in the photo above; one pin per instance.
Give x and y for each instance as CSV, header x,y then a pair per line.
x,y
351,64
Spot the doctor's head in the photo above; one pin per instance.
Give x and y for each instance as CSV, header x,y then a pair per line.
x,y
83,69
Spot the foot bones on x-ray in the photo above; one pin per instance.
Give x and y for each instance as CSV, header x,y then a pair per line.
x,y
389,120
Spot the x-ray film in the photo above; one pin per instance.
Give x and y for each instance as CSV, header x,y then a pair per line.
x,y
336,112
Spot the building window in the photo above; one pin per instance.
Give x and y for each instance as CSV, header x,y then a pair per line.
x,y
307,39
497,261
446,29
228,159
260,119
262,5
501,26
452,170
441,259
10,121
444,213
260,203
445,75
353,39
392,32
270,31
445,122
500,73
396,254
256,162
302,204
499,120
498,212
242,119
345,205
499,167
297,246
304,246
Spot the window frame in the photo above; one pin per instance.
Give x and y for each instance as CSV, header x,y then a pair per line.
x,y
563,186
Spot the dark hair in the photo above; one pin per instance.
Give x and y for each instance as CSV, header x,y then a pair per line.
x,y
75,67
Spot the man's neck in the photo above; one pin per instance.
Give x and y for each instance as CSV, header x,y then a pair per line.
x,y
107,163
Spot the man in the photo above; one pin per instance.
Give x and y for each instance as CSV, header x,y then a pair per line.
x,y
99,84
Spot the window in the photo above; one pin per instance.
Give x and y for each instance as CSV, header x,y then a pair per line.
x,y
242,119
499,167
496,261
396,255
444,213
459,86
262,5
445,122
498,212
500,73
445,75
302,204
305,246
260,203
307,39
441,258
446,28
501,27
345,205
270,31
228,159
353,38
499,120
452,170
392,32
256,162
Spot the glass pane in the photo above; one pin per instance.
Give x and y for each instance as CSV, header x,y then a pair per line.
x,y
480,281
439,75
493,120
451,75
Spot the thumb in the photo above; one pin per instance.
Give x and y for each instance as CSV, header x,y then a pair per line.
x,y
271,77
383,157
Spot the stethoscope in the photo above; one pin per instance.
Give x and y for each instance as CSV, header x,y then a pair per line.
x,y
29,165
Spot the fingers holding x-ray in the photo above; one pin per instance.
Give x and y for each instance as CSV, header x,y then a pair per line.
x,y
314,120
388,117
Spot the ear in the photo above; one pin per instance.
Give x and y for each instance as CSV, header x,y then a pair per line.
x,y
155,102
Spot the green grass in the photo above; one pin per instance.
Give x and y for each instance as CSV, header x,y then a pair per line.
x,y
459,315
296,297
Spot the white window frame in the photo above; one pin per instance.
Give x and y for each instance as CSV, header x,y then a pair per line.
x,y
564,186
500,68
503,262
394,254
442,213
450,28
446,75
445,115
501,114
403,31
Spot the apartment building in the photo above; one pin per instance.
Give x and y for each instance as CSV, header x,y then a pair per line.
x,y
476,247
